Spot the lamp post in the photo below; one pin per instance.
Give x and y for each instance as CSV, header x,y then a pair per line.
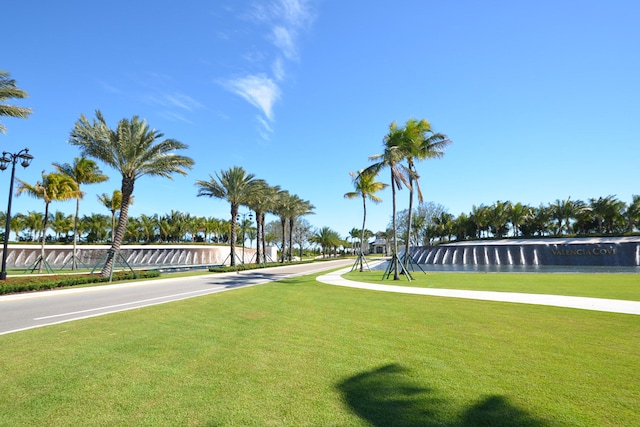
x,y
25,161
244,226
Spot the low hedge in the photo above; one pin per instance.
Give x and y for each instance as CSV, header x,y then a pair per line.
x,y
242,267
21,284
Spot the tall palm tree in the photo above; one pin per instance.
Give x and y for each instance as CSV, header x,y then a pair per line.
x,y
54,186
113,203
354,233
518,213
95,226
563,211
61,223
82,171
282,209
632,213
418,142
33,222
499,217
271,196
480,217
365,186
391,158
234,185
327,239
607,211
134,150
297,208
260,203
9,90
18,224
148,225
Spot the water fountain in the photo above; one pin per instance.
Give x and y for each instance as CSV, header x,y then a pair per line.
x,y
600,251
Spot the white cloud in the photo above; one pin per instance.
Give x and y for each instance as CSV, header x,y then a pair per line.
x,y
284,20
110,88
283,40
265,125
294,12
182,101
173,100
259,90
277,68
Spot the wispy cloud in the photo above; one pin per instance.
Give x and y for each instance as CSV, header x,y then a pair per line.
x,y
284,19
277,68
174,117
265,128
259,90
110,88
174,100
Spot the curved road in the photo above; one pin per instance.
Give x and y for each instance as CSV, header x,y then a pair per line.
x,y
32,310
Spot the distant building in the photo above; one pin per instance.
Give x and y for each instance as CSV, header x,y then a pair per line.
x,y
378,246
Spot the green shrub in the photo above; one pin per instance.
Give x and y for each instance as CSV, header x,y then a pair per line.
x,y
39,283
241,267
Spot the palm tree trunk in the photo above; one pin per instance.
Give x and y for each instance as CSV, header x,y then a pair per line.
x,y
127,190
395,230
264,241
283,222
234,234
364,221
258,236
44,236
291,220
113,225
74,262
407,242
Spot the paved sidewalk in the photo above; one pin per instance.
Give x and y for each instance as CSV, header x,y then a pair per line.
x,y
583,303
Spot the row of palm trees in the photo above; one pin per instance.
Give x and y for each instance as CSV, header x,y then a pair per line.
x,y
240,188
402,147
98,228
133,149
597,216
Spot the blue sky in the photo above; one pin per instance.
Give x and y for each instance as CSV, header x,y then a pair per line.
x,y
539,98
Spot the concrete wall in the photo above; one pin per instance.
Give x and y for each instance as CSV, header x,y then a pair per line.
x,y
620,251
59,256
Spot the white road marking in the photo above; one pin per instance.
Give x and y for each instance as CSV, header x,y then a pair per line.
x,y
106,307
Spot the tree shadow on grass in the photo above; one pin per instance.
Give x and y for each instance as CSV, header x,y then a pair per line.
x,y
390,396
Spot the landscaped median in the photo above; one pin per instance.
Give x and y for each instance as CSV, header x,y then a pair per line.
x,y
31,283
299,352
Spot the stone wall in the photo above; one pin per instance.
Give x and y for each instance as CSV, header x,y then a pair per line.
x,y
138,256
620,251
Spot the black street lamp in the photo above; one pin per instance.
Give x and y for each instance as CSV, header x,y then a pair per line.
x,y
25,161
244,225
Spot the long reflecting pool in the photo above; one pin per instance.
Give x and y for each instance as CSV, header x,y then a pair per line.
x,y
513,268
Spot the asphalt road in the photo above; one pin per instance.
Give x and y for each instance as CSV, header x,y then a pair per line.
x,y
33,310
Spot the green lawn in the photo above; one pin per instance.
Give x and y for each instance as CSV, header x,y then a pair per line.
x,y
301,353
614,286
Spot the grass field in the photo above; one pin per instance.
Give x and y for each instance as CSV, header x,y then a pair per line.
x,y
300,353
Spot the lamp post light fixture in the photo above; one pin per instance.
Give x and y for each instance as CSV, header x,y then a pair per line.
x,y
244,226
25,160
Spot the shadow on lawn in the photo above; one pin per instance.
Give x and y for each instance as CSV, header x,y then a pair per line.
x,y
389,396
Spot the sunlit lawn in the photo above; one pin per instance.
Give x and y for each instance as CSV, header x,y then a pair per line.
x,y
614,286
298,353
